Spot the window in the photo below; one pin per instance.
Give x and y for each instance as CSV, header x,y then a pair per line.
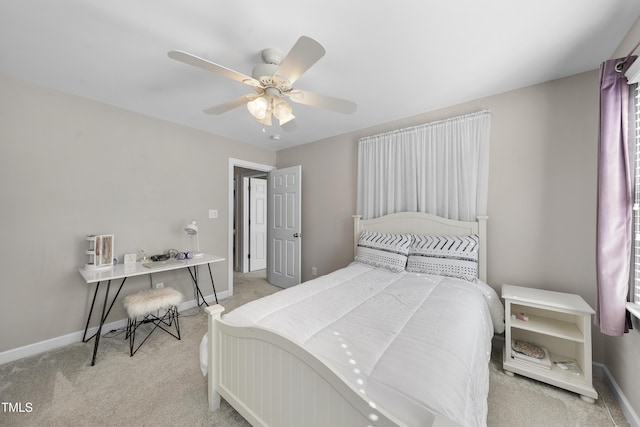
x,y
635,151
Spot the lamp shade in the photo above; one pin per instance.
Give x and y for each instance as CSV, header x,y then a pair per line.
x,y
286,119
258,107
191,228
281,109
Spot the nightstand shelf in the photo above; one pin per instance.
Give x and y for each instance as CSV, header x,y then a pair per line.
x,y
544,325
559,322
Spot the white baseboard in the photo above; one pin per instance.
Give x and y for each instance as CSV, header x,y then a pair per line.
x,y
630,414
53,343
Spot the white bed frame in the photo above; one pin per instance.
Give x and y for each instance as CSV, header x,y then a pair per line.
x,y
271,381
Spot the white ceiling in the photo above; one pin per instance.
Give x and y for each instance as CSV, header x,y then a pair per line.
x,y
393,58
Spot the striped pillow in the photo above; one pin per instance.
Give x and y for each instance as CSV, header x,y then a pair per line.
x,y
388,251
453,256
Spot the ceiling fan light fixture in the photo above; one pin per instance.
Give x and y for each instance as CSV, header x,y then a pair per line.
x,y
266,120
286,119
281,109
258,108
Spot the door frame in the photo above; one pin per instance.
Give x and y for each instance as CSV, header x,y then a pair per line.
x,y
243,164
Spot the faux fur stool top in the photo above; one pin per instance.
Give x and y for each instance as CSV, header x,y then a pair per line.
x,y
147,301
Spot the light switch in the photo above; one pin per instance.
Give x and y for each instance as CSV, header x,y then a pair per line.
x,y
213,213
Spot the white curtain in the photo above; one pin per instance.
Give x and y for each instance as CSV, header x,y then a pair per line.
x,y
440,168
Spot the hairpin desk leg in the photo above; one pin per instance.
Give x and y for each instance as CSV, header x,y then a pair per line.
x,y
103,317
93,302
213,284
196,279
99,332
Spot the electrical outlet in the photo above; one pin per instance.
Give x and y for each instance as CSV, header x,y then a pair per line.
x,y
314,271
159,285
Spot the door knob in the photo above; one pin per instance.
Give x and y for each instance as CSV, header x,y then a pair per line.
x,y
297,234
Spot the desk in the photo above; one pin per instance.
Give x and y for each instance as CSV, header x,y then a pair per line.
x,y
124,271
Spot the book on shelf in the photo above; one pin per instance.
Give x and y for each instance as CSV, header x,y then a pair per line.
x,y
544,362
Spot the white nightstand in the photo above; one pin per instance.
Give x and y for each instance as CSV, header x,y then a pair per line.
x,y
559,322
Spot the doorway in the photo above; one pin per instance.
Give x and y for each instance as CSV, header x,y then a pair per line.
x,y
251,221
239,230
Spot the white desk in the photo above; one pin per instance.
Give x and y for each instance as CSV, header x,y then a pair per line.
x,y
124,271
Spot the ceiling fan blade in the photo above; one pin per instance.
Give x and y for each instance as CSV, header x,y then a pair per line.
x,y
300,58
231,104
321,101
196,61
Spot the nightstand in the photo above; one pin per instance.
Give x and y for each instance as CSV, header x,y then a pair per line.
x,y
561,324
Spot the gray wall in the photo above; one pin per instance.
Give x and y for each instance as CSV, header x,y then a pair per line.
x,y
541,186
71,167
542,198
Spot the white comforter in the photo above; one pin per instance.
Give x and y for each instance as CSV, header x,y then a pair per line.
x,y
416,344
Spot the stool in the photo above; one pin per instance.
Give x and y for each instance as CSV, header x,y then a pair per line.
x,y
144,304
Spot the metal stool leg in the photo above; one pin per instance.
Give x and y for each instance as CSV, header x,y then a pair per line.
x,y
170,317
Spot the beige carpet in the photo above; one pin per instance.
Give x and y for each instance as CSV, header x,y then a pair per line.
x,y
162,384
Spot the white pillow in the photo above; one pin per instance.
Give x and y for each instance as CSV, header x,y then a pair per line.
x,y
495,306
453,256
388,251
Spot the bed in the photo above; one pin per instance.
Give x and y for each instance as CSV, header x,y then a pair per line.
x,y
371,344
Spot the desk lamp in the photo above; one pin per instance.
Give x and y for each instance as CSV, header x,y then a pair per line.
x,y
192,230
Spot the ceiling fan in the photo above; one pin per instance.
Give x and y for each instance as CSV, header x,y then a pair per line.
x,y
273,82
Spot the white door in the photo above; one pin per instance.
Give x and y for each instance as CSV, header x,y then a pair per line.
x,y
284,231
257,224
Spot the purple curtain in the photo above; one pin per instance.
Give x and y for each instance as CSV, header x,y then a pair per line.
x,y
614,215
